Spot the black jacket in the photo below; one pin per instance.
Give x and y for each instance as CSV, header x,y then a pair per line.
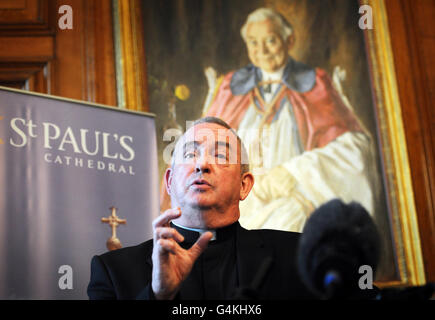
x,y
126,273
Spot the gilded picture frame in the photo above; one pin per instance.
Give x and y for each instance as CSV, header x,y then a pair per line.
x,y
135,89
403,216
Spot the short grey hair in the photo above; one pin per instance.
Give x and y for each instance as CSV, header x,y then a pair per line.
x,y
284,27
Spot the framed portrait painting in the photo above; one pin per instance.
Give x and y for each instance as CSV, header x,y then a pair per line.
x,y
310,88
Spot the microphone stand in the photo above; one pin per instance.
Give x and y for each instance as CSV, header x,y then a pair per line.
x,y
333,283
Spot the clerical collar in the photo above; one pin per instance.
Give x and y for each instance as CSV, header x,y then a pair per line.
x,y
296,76
277,75
192,234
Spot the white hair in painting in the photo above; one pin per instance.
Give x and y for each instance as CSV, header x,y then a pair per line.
x,y
284,27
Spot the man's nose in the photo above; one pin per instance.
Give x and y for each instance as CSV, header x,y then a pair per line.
x,y
202,164
263,48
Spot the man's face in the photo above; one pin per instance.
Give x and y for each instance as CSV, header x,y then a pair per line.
x,y
266,49
206,173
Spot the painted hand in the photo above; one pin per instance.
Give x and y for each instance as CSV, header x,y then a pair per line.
x,y
276,183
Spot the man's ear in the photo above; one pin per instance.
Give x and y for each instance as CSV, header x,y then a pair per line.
x,y
168,180
247,182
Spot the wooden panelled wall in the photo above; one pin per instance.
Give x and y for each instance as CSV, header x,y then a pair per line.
x,y
79,63
35,54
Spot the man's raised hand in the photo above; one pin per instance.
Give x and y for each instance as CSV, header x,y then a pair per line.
x,y
171,263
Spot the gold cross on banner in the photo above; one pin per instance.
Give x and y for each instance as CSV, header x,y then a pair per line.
x,y
114,221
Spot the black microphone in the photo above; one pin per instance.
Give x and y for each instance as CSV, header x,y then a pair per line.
x,y
337,240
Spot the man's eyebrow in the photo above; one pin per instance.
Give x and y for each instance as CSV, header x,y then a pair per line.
x,y
190,144
224,143
195,144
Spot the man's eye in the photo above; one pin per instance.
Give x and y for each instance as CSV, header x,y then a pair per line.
x,y
221,156
271,40
189,155
252,42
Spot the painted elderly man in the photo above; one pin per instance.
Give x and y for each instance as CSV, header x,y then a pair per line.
x,y
305,145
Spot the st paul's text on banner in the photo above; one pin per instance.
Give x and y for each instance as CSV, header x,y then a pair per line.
x,y
66,167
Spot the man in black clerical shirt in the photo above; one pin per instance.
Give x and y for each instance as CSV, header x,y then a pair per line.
x,y
199,250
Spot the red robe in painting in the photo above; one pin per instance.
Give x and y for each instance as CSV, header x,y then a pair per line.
x,y
320,113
